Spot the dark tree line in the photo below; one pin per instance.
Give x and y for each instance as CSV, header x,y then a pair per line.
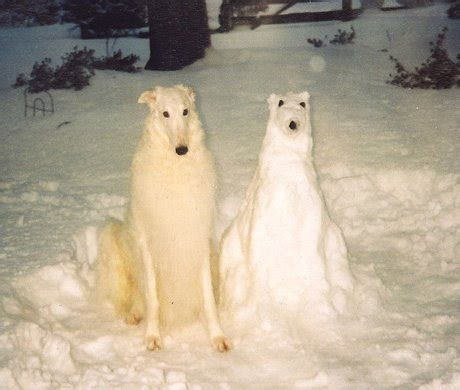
x,y
178,29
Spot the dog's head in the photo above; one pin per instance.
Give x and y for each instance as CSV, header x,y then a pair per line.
x,y
172,115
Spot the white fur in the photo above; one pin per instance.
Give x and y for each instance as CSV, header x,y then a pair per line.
x,y
282,254
156,265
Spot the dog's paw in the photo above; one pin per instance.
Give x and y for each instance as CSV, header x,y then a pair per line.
x,y
222,344
133,318
153,343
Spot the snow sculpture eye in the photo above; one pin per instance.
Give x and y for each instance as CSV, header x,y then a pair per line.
x,y
280,103
185,112
166,114
302,104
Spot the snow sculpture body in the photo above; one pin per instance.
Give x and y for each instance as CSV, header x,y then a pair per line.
x,y
282,253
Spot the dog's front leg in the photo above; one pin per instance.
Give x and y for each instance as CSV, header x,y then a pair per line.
x,y
220,342
152,331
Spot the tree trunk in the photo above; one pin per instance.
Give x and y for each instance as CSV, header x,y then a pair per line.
x,y
347,10
179,33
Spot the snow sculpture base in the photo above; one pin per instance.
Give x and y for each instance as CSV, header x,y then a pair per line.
x,y
282,255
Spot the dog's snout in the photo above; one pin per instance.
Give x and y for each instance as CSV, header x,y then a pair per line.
x,y
181,150
293,125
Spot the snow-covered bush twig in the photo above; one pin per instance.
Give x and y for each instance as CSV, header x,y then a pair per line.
x,y
341,38
438,71
315,42
75,72
454,11
117,62
29,13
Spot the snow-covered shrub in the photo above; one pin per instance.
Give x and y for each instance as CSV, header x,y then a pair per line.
x,y
454,11
315,42
29,12
77,11
343,37
41,77
117,62
105,18
21,80
75,72
439,71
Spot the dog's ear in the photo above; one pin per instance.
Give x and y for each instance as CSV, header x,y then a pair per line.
x,y
148,97
188,90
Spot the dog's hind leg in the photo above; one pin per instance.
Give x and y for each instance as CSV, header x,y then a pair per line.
x,y
136,311
115,279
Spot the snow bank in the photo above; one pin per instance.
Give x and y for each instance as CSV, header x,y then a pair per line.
x,y
408,210
52,315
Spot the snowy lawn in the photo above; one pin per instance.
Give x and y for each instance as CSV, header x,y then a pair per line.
x,y
388,165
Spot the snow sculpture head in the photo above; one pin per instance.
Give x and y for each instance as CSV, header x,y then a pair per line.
x,y
289,122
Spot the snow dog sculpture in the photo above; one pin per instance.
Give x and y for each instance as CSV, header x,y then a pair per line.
x,y
282,253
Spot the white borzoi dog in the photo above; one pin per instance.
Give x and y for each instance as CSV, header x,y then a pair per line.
x,y
156,264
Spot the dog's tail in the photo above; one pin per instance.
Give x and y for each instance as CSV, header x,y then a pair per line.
x,y
116,282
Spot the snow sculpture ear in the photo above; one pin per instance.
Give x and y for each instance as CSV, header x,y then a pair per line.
x,y
148,97
188,90
305,96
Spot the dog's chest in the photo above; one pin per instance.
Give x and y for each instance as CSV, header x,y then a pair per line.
x,y
174,194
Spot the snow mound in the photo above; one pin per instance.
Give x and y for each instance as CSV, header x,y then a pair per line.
x,y
60,334
410,211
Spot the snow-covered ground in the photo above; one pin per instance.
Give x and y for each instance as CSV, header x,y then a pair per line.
x,y
388,165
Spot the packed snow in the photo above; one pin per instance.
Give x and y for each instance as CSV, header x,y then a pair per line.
x,y
387,164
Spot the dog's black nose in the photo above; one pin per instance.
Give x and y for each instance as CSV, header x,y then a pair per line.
x,y
293,125
181,150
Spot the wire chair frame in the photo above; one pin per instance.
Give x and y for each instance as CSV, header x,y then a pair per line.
x,y
38,104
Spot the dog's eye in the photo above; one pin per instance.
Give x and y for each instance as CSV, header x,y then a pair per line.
x,y
280,103
302,104
185,112
166,114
